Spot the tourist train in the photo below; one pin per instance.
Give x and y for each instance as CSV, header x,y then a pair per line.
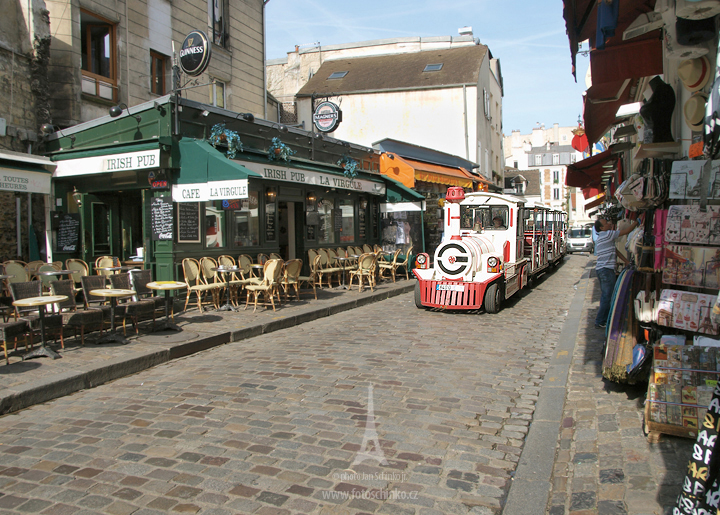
x,y
493,246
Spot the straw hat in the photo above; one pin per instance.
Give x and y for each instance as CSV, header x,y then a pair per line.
x,y
694,110
694,73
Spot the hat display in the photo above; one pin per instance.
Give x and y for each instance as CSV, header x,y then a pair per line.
x,y
673,48
695,32
694,73
697,9
694,110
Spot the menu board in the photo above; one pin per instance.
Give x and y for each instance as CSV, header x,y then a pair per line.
x,y
188,222
68,233
270,222
161,219
361,223
338,219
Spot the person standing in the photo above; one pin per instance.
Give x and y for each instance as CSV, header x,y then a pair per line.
x,y
605,264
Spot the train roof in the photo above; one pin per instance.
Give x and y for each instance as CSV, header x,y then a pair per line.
x,y
479,195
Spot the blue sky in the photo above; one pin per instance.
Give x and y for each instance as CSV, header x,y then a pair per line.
x,y
528,36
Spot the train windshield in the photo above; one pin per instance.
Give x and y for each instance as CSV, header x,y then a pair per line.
x,y
488,218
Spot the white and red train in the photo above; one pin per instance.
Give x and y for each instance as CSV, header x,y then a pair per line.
x,y
493,246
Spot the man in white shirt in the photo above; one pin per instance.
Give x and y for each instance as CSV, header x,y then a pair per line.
x,y
605,265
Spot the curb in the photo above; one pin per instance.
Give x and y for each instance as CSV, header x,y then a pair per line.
x,y
62,384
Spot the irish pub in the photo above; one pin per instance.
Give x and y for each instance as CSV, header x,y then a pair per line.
x,y
173,178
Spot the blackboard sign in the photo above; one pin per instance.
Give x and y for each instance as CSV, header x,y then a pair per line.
x,y
161,219
310,232
337,219
68,236
361,223
188,222
270,222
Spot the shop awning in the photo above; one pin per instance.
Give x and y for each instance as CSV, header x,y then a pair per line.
x,y
407,171
588,171
594,203
399,197
121,158
201,162
591,192
25,173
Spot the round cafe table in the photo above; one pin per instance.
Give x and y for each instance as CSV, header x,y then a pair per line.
x,y
168,287
225,271
113,295
40,303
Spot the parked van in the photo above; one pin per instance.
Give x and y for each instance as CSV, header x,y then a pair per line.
x,y
580,239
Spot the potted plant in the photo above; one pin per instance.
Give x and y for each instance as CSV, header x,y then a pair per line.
x,y
279,150
349,166
219,135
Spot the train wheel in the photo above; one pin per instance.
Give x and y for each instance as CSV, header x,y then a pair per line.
x,y
418,302
493,299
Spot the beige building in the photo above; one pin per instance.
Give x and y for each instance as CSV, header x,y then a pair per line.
x,y
441,93
104,53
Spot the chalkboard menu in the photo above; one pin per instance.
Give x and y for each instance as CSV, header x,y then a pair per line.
x,y
270,222
161,218
361,223
188,222
310,232
337,219
68,235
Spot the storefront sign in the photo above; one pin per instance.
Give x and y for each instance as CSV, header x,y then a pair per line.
x,y
158,180
208,191
195,53
295,175
19,181
327,117
108,164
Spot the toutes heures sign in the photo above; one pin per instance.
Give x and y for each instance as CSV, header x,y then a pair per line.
x,y
195,53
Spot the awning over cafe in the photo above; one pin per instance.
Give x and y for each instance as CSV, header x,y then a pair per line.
x,y
201,162
588,171
407,171
399,197
121,158
25,173
596,202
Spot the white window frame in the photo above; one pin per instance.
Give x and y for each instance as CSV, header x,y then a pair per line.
x,y
556,159
214,93
538,159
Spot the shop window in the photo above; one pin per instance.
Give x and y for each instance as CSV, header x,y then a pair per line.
x,y
347,212
214,225
97,39
401,230
157,73
326,221
217,93
246,225
216,22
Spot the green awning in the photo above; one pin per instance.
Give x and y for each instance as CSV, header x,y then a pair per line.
x,y
105,151
200,162
398,192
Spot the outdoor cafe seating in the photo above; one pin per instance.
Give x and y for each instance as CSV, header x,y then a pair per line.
x,y
71,315
33,289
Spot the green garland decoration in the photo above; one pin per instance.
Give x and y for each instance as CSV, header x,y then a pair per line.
x,y
279,151
349,166
219,135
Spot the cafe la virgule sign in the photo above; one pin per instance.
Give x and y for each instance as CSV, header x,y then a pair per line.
x,y
195,53
327,116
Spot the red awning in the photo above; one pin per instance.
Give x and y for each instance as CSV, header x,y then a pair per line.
x,y
601,103
634,58
589,171
581,21
591,192
594,203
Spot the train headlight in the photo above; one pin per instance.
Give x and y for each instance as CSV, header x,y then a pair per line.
x,y
493,265
422,261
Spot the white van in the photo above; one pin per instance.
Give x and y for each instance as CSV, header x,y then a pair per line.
x,y
580,239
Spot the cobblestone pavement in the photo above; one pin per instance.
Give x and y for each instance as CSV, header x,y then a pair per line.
x,y
604,464
282,422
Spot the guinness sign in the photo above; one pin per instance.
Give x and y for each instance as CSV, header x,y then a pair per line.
x,y
195,53
327,117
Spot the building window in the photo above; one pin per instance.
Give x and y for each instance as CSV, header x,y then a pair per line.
x,y
216,21
247,222
214,225
157,73
337,75
347,210
486,103
97,39
538,159
556,193
519,188
515,164
573,158
556,177
217,93
326,225
433,67
556,159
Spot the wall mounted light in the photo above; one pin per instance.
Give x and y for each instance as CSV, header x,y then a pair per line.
x,y
311,198
77,197
363,203
205,113
248,117
117,110
271,194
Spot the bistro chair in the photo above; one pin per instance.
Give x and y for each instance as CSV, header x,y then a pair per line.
x,y
18,271
390,266
311,279
106,261
33,267
81,269
326,268
275,255
291,277
269,285
210,276
405,262
57,265
195,284
13,330
262,258
366,269
71,315
138,281
98,282
235,283
135,309
245,263
367,249
26,290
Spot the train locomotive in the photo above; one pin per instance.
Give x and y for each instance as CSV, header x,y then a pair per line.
x,y
493,246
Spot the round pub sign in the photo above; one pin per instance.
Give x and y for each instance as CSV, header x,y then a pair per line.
x,y
195,53
327,117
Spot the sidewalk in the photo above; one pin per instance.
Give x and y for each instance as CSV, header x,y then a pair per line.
x,y
38,380
603,463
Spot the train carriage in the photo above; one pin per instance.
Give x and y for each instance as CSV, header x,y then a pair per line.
x,y
493,246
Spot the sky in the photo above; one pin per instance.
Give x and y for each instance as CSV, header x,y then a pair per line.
x,y
527,36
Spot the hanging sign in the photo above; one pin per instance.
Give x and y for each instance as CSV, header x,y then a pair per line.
x,y
327,116
195,53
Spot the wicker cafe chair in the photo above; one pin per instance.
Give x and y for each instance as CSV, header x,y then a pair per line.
x,y
327,267
11,331
98,282
18,271
194,282
275,255
81,269
105,261
291,277
33,267
262,258
405,263
135,309
311,279
366,268
53,323
138,281
71,315
391,266
269,285
210,276
236,283
367,249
